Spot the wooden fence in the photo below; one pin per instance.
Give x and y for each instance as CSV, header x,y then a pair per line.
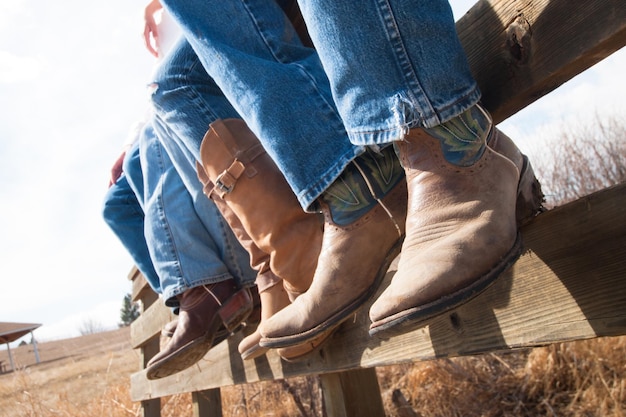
x,y
569,284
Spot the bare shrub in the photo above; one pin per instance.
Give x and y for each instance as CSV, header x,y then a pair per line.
x,y
582,160
90,326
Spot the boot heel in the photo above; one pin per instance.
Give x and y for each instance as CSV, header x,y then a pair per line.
x,y
236,309
530,198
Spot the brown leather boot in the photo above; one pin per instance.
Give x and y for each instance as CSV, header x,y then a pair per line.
x,y
247,179
365,211
270,288
222,333
461,231
273,296
202,311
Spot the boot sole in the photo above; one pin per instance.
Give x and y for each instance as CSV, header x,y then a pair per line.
x,y
187,355
183,358
287,354
415,317
254,352
336,319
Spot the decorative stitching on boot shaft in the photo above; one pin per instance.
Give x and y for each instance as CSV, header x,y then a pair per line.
x,y
463,138
362,185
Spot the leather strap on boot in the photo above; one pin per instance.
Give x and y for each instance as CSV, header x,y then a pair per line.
x,y
249,182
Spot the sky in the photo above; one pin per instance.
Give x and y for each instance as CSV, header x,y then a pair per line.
x,y
72,82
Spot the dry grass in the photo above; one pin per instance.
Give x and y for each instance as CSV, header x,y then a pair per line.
x,y
76,377
574,379
89,376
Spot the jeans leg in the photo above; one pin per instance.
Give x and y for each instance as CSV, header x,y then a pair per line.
x,y
124,215
412,69
183,252
277,85
227,246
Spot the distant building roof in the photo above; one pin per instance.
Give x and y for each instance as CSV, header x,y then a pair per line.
x,y
13,331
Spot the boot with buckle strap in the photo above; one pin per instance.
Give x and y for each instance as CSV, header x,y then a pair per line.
x,y
240,172
254,198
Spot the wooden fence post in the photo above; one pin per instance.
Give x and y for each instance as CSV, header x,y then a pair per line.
x,y
354,393
207,403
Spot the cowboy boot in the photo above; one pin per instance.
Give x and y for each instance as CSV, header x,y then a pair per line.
x,y
364,211
222,333
253,188
274,297
202,311
461,222
270,287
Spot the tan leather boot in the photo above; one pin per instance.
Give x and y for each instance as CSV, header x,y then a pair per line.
x,y
461,232
273,299
355,254
270,288
247,179
202,311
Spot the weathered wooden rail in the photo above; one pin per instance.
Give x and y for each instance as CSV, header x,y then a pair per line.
x,y
570,283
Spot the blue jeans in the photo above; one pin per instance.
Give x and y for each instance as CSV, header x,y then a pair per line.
x,y
379,69
124,215
189,242
186,101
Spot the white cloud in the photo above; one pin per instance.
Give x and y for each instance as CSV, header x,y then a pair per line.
x,y
15,68
11,9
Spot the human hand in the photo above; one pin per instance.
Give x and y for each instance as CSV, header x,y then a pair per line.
x,y
116,171
150,31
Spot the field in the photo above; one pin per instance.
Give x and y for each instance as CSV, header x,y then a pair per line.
x,y
75,377
88,376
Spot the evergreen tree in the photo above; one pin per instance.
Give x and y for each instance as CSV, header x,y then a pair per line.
x,y
129,311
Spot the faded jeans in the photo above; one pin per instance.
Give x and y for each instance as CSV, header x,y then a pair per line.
x,y
379,69
189,242
124,215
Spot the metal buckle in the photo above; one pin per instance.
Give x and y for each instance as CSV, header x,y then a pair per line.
x,y
220,184
226,181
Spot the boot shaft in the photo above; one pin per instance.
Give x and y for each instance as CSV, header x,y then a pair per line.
x,y
250,183
362,185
